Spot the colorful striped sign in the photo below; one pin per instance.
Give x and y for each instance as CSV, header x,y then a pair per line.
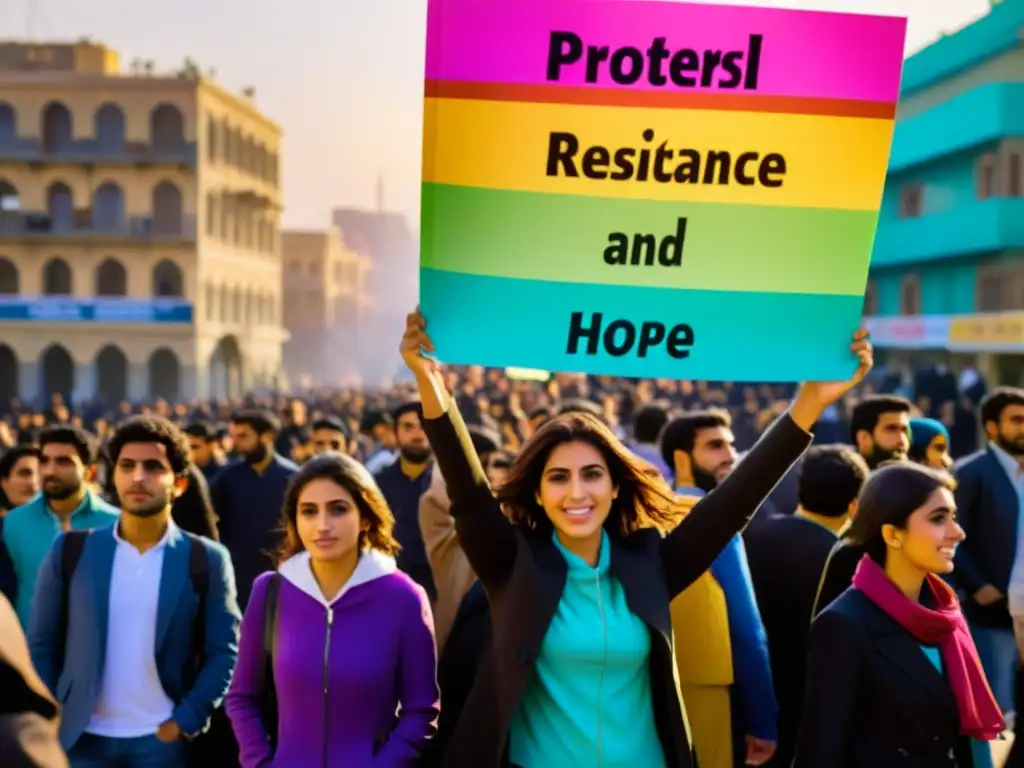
x,y
652,189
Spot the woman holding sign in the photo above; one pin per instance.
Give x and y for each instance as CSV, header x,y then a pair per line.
x,y
580,577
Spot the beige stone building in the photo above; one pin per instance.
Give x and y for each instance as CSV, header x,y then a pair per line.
x,y
327,305
140,251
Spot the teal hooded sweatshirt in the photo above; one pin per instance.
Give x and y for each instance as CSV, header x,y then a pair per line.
x,y
589,700
29,532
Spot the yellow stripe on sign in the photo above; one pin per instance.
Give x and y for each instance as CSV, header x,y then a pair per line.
x,y
704,156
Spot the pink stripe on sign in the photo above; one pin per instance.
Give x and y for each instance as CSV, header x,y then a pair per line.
x,y
804,53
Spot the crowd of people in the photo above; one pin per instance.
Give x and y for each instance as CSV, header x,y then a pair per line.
x,y
470,569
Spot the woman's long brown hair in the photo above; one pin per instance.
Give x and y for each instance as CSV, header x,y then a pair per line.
x,y
349,474
642,501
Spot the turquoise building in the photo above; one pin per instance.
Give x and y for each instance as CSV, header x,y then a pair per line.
x,y
947,271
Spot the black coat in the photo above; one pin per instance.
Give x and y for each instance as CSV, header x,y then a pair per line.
x,y
988,510
468,640
787,555
524,575
874,699
837,574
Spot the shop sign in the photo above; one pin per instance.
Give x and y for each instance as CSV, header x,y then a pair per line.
x,y
1002,332
909,331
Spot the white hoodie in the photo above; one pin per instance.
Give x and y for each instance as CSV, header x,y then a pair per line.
x,y
372,565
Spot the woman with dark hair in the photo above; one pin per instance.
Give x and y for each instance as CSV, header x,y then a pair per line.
x,y
19,484
354,661
580,575
893,674
193,510
19,476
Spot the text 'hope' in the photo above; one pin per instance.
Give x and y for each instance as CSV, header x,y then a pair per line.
x,y
621,336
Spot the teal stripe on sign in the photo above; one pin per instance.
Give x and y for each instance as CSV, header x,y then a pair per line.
x,y
737,336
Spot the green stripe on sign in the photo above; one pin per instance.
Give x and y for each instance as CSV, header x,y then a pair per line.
x,y
562,238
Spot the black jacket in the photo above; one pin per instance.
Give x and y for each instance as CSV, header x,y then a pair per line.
x,y
874,699
468,640
787,555
988,510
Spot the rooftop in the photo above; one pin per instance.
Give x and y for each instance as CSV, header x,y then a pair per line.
x,y
90,65
995,33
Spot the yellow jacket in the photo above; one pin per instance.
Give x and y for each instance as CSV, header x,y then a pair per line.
x,y
701,628
700,624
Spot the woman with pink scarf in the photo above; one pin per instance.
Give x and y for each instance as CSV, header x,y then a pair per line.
x,y
893,675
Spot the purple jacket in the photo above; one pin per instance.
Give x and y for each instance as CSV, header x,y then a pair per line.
x,y
373,647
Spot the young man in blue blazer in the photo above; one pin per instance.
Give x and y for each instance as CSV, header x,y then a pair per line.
x,y
137,653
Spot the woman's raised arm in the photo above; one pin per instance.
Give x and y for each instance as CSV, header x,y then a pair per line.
x,y
485,535
690,549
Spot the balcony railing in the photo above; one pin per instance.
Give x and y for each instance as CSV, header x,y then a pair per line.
x,y
986,226
89,152
985,114
41,227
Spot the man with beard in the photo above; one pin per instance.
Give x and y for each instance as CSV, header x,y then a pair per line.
x,y
721,689
248,496
206,452
67,464
403,483
880,428
114,634
990,562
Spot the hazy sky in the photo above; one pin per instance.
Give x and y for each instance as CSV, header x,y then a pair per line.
x,y
342,77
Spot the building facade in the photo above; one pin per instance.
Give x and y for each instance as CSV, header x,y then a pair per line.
x,y
327,307
947,272
139,232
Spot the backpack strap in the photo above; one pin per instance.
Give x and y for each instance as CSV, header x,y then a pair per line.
x,y
267,688
199,575
8,577
70,553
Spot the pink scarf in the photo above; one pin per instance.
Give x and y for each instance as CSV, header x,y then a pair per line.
x,y
945,627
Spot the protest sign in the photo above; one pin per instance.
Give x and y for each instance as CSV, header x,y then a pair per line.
x,y
652,189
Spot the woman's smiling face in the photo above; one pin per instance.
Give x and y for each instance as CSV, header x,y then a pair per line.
x,y
576,490
931,536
